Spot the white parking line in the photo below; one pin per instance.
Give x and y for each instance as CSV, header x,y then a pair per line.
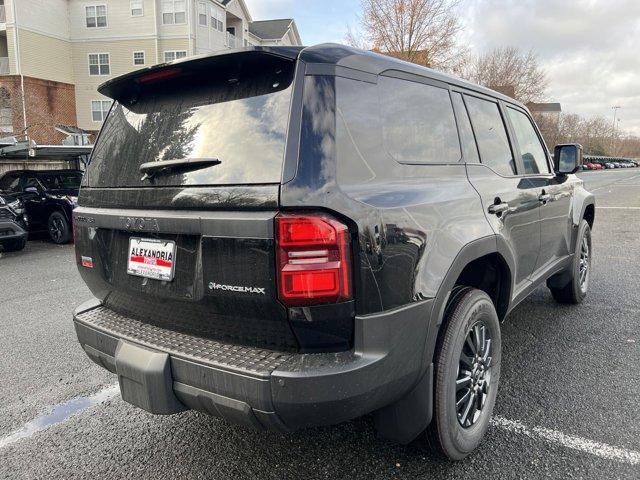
x,y
617,208
63,412
59,414
598,449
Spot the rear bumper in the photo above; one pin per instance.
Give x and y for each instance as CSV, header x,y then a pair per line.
x,y
166,372
10,230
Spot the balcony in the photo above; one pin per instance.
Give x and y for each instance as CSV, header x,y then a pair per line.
x,y
232,41
4,65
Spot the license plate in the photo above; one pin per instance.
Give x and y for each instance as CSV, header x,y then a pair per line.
x,y
152,258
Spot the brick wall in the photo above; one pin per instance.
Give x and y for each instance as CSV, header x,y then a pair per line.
x,y
47,104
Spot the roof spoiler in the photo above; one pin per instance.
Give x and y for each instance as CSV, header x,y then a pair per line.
x,y
131,85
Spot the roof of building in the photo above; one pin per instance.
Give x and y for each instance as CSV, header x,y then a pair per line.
x,y
71,129
544,107
270,29
50,152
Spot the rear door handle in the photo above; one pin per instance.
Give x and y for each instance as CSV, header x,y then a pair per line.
x,y
497,208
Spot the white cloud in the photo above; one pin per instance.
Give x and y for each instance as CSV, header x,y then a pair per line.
x,y
590,48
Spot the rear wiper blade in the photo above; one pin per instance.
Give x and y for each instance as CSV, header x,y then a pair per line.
x,y
151,169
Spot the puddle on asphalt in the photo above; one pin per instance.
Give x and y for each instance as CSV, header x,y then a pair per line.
x,y
59,414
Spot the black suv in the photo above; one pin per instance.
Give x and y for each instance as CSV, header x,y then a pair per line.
x,y
49,197
287,237
13,223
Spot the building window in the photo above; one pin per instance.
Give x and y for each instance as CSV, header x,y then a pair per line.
x,y
173,11
137,8
138,58
170,56
96,16
100,109
202,14
217,17
99,64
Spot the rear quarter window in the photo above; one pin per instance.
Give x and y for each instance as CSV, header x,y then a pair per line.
x,y
418,124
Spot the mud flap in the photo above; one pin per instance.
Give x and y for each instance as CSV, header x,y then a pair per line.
x,y
145,379
405,420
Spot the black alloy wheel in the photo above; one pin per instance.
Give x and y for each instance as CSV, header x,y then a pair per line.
x,y
474,375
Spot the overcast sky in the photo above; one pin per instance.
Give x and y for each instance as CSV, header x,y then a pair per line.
x,y
589,48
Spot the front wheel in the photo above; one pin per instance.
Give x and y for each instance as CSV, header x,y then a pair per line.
x,y
467,372
579,272
59,231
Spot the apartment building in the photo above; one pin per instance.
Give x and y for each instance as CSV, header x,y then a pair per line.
x,y
55,53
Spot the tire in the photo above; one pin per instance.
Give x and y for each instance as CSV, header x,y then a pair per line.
x,y
58,227
578,274
456,429
14,245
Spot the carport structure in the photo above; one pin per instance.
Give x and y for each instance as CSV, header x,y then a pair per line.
x,y
29,156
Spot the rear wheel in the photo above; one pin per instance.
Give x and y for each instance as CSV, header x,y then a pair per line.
x,y
59,231
579,272
467,372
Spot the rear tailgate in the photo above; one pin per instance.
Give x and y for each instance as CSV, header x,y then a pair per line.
x,y
191,249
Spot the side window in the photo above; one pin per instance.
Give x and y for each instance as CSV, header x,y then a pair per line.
x,y
491,135
418,125
469,148
9,183
532,151
30,182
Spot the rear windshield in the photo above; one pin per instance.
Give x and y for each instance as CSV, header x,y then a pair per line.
x,y
61,181
236,113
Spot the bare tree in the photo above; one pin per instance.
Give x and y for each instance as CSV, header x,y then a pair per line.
x,y
418,31
594,134
511,68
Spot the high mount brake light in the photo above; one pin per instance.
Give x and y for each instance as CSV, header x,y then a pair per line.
x,y
159,76
314,259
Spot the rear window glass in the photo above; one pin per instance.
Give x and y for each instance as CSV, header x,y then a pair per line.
x,y
239,118
61,181
418,124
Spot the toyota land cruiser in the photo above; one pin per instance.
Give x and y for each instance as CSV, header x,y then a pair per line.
x,y
286,237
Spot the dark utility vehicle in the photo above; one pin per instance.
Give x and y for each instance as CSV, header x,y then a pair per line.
x,y
49,197
13,223
287,237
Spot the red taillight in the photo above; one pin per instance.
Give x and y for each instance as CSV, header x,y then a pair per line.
x,y
314,259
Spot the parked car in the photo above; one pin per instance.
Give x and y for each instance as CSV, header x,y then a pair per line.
x,y
597,166
609,165
13,223
257,256
591,166
49,198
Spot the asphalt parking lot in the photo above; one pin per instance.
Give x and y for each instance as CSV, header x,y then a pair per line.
x,y
569,402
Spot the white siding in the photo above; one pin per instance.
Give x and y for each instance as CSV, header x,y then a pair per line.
x,y
120,23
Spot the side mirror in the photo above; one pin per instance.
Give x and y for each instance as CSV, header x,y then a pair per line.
x,y
31,190
567,158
